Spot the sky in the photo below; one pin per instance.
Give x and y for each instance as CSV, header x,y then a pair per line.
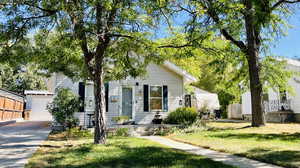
x,y
284,46
289,46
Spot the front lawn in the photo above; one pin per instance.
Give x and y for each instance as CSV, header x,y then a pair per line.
x,y
276,143
119,152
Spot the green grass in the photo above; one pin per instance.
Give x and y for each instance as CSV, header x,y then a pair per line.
x,y
119,152
276,143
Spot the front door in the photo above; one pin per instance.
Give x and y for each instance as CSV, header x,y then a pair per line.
x,y
127,102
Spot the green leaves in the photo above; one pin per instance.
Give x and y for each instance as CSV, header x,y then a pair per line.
x,y
63,107
59,52
276,74
21,78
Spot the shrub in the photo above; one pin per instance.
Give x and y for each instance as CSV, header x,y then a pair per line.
x,y
164,131
122,132
120,119
63,107
198,126
182,115
77,133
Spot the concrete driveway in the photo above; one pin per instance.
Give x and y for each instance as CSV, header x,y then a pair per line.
x,y
19,141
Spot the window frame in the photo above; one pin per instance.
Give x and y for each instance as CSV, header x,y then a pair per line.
x,y
162,98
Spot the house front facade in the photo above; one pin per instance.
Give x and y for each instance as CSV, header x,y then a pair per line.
x,y
279,106
161,90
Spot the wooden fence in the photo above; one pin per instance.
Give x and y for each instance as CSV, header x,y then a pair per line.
x,y
10,108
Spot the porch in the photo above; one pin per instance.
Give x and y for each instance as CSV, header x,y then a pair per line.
x,y
278,111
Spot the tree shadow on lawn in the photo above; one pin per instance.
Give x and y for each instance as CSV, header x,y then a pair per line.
x,y
284,158
218,129
121,155
295,137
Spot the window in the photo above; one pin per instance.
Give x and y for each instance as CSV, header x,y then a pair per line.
x,y
156,98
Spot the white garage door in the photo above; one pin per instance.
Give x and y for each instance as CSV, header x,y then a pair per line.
x,y
39,110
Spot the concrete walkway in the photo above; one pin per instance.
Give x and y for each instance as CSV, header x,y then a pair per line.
x,y
19,141
214,155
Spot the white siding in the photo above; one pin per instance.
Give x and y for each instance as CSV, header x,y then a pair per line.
x,y
82,117
62,81
114,107
156,75
246,103
295,83
273,94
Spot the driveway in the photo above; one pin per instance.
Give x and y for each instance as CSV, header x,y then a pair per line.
x,y
19,141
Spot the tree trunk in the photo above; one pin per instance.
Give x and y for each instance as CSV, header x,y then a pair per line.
x,y
99,93
253,46
258,116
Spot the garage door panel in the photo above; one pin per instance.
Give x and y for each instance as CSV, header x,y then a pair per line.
x,y
39,110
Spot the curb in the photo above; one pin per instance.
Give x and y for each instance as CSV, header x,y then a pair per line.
x,y
3,123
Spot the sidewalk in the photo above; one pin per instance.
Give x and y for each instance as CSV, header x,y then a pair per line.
x,y
214,155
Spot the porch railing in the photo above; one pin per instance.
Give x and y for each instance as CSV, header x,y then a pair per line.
x,y
277,105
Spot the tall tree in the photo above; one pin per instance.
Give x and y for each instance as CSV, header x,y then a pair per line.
x,y
222,69
247,24
111,34
20,78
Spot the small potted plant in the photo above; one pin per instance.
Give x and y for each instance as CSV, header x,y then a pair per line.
x,y
120,119
157,118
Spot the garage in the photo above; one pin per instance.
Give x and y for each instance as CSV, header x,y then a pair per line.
x,y
206,99
36,102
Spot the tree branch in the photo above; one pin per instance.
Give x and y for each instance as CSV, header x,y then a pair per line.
x,y
186,10
208,49
280,2
37,17
119,35
176,46
103,34
40,8
223,31
80,34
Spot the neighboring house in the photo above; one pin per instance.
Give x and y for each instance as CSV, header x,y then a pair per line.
x,y
161,90
203,99
279,106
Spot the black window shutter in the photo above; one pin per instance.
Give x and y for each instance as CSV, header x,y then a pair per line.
x,y
81,93
106,85
165,98
146,98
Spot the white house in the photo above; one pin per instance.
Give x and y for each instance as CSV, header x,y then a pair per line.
x,y
278,104
161,90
